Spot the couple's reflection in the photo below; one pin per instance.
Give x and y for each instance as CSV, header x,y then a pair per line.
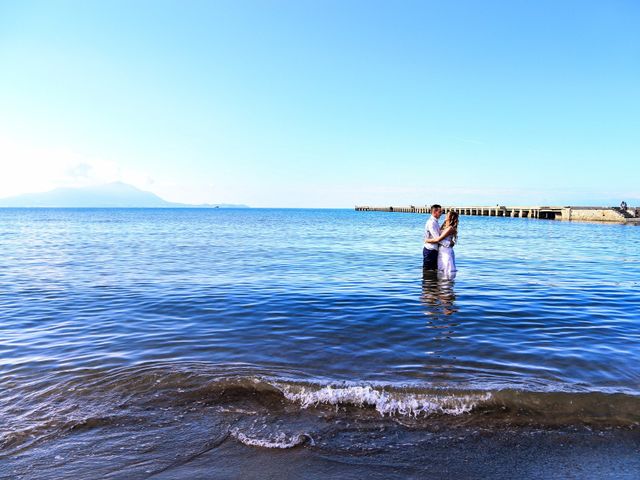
x,y
438,301
438,296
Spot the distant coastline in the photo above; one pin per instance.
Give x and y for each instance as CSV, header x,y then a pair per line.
x,y
110,195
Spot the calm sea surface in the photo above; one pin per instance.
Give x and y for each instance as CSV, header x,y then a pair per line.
x,y
136,342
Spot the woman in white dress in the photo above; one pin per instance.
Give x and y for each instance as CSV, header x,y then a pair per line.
x,y
447,239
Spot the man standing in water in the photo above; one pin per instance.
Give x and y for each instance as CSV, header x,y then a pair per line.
x,y
431,230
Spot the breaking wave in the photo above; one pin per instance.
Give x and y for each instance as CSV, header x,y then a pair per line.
x,y
278,440
246,399
385,402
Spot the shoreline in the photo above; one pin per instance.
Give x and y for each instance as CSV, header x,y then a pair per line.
x,y
389,453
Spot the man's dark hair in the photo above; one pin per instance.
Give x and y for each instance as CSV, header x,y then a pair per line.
x,y
435,206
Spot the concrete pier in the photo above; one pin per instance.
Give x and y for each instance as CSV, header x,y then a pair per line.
x,y
580,214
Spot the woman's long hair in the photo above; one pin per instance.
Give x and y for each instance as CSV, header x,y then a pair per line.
x,y
452,221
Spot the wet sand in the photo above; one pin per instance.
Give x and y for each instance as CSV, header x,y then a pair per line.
x,y
454,453
537,455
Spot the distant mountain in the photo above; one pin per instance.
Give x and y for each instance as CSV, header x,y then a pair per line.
x,y
110,195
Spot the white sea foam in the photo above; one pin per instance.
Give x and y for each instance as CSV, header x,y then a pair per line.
x,y
385,402
279,440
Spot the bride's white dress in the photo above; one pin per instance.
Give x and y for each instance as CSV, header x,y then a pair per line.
x,y
446,258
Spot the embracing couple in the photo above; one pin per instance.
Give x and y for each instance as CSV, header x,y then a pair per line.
x,y
438,243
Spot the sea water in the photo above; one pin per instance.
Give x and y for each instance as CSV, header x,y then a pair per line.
x,y
140,342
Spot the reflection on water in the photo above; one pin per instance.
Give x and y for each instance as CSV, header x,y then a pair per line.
x,y
438,295
438,300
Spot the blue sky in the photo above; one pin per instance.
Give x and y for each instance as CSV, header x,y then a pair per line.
x,y
324,103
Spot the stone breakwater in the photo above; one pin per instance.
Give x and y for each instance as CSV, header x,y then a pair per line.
x,y
581,214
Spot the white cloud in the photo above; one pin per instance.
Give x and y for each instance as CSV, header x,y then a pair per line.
x,y
35,168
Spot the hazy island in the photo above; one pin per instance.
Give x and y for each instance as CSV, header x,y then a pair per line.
x,y
110,195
